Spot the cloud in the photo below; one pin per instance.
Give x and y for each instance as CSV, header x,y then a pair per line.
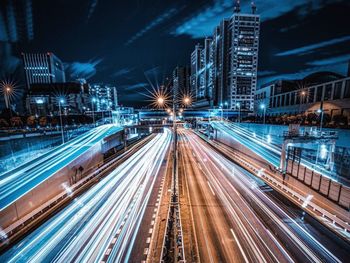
x,y
340,68
203,22
135,86
165,16
93,5
155,71
8,62
83,69
330,61
122,72
313,47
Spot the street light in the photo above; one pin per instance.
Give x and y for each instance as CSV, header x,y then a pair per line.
x,y
187,100
160,101
92,109
263,107
321,121
226,105
239,111
61,101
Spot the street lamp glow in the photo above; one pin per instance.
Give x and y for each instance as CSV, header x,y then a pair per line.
x,y
187,100
262,106
61,101
226,103
238,105
160,101
168,110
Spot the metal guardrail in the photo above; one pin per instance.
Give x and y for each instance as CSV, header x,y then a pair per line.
x,y
303,201
312,134
173,236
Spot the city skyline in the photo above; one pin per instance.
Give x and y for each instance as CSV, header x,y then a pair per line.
x,y
100,48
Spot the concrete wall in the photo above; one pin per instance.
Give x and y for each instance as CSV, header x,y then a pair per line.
x,y
54,185
334,191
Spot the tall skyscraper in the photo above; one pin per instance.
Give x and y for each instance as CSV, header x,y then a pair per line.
x,y
43,68
181,81
222,62
244,58
196,66
224,71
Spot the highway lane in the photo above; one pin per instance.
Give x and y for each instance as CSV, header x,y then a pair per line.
x,y
221,232
102,223
16,183
260,220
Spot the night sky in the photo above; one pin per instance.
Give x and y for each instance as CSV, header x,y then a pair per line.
x,y
132,43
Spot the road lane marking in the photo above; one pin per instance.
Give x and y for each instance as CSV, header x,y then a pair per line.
x,y
211,188
239,245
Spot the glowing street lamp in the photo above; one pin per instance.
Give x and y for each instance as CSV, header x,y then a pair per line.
x,y
238,105
93,101
226,107
186,100
160,101
61,101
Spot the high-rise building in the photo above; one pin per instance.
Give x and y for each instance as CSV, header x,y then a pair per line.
x,y
244,59
224,71
105,97
196,66
222,62
43,68
181,81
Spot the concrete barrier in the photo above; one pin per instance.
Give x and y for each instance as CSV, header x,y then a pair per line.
x,y
56,184
335,192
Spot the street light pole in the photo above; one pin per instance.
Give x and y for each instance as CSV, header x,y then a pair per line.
x,y
93,112
239,111
59,108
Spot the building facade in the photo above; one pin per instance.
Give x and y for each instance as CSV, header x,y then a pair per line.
x,y
181,81
330,94
224,70
244,60
196,67
43,68
43,99
104,97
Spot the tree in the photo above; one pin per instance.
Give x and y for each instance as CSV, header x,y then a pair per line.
x,y
31,121
16,122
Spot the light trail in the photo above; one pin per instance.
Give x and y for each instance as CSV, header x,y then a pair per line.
x,y
111,210
264,147
218,171
16,183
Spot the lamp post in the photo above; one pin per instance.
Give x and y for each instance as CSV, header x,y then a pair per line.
x,y
239,111
222,113
263,107
61,101
226,105
7,92
93,112
321,121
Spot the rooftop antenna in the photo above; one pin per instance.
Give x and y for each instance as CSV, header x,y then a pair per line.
x,y
237,7
253,8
